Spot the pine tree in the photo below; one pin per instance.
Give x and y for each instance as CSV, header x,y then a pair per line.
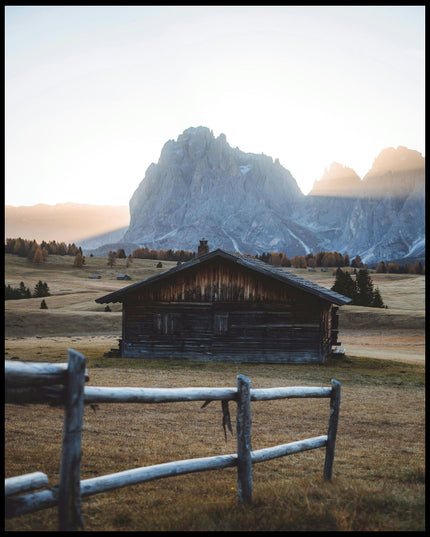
x,y
364,288
377,301
356,262
344,284
43,305
41,289
24,292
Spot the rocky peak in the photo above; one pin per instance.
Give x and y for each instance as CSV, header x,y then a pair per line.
x,y
338,180
395,160
201,181
397,173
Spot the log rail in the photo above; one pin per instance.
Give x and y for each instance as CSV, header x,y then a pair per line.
x,y
38,383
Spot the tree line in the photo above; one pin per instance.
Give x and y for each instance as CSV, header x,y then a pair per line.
x,y
396,268
336,259
163,255
38,253
320,259
15,293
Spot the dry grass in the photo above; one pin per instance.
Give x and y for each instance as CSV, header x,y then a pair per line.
x,y
379,466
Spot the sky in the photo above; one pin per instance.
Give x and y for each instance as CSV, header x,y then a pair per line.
x,y
92,93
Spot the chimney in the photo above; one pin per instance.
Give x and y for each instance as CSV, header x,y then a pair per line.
x,y
203,247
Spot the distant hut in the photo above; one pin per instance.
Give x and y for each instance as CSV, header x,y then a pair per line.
x,y
123,277
228,307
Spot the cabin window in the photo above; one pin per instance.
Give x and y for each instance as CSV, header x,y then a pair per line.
x,y
164,323
220,324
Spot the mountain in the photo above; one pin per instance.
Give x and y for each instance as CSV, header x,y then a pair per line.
x,y
67,222
202,187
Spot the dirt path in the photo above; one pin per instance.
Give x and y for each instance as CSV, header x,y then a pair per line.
x,y
399,345
404,346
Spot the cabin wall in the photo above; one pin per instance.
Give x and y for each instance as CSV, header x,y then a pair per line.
x,y
239,332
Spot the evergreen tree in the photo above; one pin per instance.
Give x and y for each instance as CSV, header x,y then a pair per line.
x,y
41,289
20,247
377,301
24,292
364,288
43,305
357,262
344,284
16,293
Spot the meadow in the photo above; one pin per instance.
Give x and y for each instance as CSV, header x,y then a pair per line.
x,y
379,470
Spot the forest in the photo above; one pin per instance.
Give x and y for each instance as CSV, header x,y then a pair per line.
x,y
38,253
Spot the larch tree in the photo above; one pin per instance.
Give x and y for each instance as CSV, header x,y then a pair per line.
x,y
79,260
38,257
111,259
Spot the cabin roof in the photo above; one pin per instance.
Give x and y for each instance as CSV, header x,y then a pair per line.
x,y
244,260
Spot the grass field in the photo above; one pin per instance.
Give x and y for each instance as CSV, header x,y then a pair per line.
x,y
379,470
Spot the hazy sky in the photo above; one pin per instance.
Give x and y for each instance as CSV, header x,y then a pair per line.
x,y
93,93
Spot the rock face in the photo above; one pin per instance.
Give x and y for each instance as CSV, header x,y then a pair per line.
x,y
202,187
337,181
382,217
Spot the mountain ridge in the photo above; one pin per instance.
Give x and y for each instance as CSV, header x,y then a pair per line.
x,y
246,202
250,203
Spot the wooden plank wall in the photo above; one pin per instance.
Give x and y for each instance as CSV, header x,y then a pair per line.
x,y
220,281
232,332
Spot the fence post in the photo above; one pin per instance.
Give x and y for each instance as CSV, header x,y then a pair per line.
x,y
243,428
69,490
332,429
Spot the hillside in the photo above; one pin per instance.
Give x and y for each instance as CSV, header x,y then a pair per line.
x,y
66,222
397,332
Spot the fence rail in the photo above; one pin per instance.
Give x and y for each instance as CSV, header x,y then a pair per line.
x,y
38,383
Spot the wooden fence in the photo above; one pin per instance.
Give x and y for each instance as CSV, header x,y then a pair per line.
x,y
64,384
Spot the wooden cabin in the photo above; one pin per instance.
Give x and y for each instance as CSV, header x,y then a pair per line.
x,y
228,307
